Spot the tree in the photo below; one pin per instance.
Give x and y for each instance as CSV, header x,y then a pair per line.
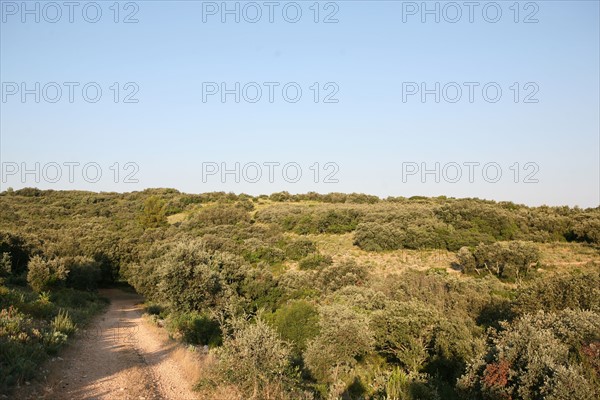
x,y
504,259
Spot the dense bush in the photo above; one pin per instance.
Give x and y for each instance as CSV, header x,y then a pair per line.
x,y
220,214
537,357
196,328
403,333
153,213
257,361
192,279
19,251
344,337
296,322
300,248
33,326
315,261
373,236
555,293
45,274
84,272
343,273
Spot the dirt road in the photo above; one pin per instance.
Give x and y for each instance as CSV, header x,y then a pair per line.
x,y
119,356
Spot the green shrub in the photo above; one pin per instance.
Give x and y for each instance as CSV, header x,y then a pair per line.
x,y
409,386
555,293
153,214
220,214
257,361
154,309
344,337
19,250
5,264
84,273
45,274
373,236
192,279
196,328
21,348
260,289
255,251
343,273
538,356
315,261
300,248
296,322
403,333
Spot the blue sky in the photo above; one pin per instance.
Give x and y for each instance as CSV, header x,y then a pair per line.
x,y
370,135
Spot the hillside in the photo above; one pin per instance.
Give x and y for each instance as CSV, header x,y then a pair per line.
x,y
320,296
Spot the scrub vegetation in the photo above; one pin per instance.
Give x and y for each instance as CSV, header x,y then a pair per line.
x,y
317,296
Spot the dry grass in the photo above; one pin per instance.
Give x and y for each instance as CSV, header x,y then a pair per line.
x,y
175,218
554,256
341,246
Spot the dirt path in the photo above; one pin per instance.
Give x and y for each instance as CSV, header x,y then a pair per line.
x,y
119,356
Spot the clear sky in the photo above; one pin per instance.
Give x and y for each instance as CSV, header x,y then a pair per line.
x,y
370,130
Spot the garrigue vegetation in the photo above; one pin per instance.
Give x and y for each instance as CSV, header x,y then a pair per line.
x,y
318,296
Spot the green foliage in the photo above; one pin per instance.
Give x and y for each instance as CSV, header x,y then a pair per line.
x,y
302,220
21,347
220,214
367,326
193,279
343,273
315,261
255,251
574,291
153,213
537,357
84,272
300,248
403,333
344,337
45,274
509,260
196,328
33,326
297,322
409,386
62,323
257,361
373,236
19,251
5,264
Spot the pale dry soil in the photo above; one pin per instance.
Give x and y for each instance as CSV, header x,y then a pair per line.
x,y
120,355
